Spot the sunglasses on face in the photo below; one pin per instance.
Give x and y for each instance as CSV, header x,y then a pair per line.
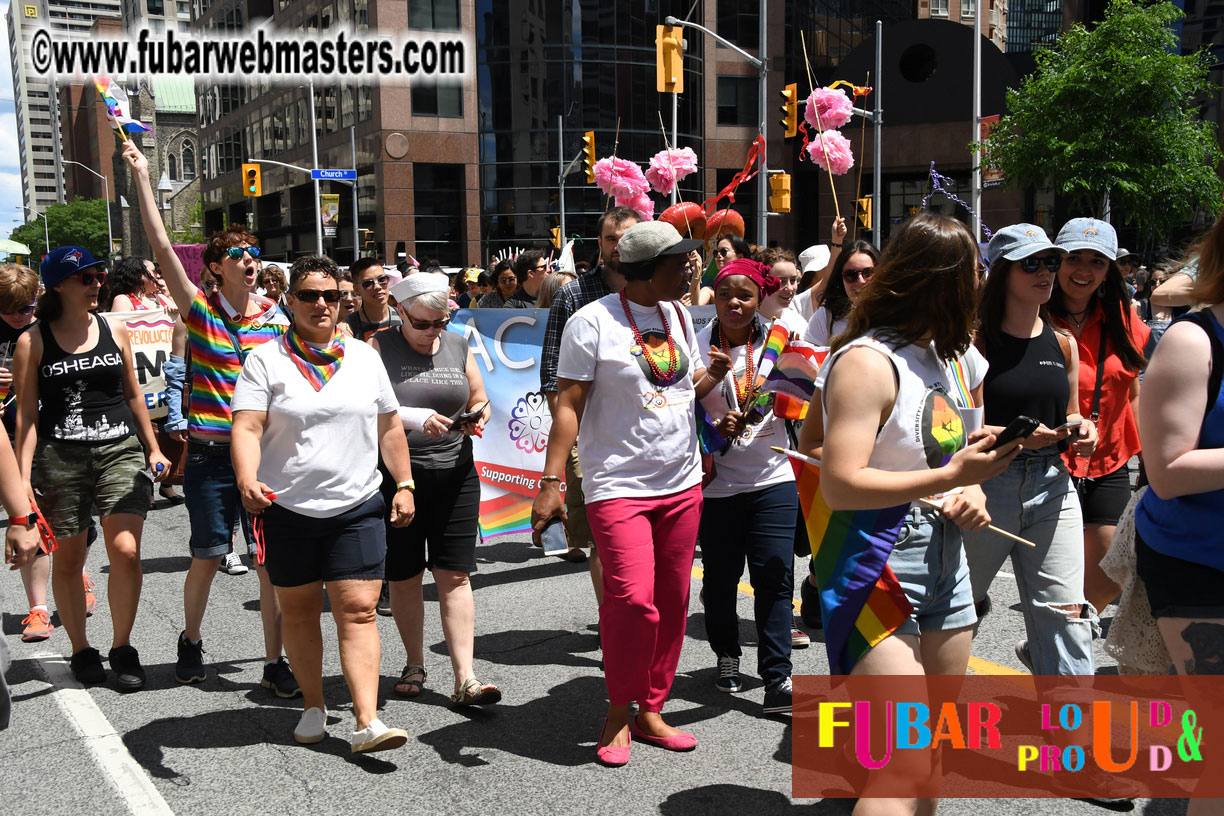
x,y
88,278
236,252
313,295
1031,264
381,280
208,285
426,325
507,280
722,252
347,295
24,311
851,275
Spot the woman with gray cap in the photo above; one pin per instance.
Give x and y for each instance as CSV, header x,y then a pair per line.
x,y
1091,301
629,371
91,441
1034,372
442,405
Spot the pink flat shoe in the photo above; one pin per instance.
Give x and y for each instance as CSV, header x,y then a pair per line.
x,y
676,742
610,756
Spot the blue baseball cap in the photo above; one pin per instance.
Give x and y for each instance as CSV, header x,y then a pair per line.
x,y
1018,241
63,262
1089,233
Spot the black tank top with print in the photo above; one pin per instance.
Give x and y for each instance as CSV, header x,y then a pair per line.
x,y
82,392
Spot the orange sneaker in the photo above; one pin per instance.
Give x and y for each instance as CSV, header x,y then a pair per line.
x,y
37,626
91,600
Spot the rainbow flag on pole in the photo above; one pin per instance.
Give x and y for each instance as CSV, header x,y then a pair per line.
x,y
860,598
117,108
795,371
775,343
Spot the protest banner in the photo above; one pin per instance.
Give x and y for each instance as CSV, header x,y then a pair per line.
x,y
150,331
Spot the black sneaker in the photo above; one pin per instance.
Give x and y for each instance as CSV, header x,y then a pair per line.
x,y
279,678
809,608
728,676
384,600
190,665
125,663
778,698
87,667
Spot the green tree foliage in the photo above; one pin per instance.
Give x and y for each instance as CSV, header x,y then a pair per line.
x,y
80,223
193,232
1116,112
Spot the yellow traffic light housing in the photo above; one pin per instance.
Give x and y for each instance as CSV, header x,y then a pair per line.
x,y
556,237
863,206
780,193
252,182
588,155
669,59
790,110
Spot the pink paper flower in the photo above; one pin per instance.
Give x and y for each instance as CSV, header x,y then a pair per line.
x,y
835,156
620,178
641,203
670,166
834,106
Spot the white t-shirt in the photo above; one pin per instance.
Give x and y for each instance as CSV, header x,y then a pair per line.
x,y
792,320
319,452
817,332
748,464
638,438
804,304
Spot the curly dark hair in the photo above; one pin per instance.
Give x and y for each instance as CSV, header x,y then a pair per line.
x,y
221,240
127,278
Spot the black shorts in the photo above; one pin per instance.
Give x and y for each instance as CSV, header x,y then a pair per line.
x,y
444,531
1177,588
300,550
1103,499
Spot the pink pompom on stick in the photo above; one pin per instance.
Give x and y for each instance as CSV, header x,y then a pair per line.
x,y
667,167
642,204
831,150
833,106
620,178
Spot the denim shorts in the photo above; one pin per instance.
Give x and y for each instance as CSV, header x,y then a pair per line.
x,y
213,504
929,561
300,550
71,477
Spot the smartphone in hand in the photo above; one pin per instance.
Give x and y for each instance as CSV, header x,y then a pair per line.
x,y
1021,427
553,537
1068,426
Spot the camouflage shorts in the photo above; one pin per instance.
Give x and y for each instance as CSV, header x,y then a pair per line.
x,y
71,477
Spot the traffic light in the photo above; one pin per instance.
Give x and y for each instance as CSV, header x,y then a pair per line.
x,y
779,193
669,59
863,206
588,155
790,110
252,183
556,237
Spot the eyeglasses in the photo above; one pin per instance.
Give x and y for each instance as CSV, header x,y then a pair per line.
x,y
507,280
348,295
88,278
236,252
851,275
313,295
426,325
381,280
722,252
1031,264
23,311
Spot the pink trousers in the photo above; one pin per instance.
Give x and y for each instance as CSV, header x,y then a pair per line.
x,y
646,549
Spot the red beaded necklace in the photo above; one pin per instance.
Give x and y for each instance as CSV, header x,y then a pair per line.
x,y
640,348
744,394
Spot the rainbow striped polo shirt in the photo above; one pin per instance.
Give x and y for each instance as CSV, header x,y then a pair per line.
x,y
215,362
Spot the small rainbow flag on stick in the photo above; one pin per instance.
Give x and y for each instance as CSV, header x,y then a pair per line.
x,y
794,373
775,343
860,598
117,108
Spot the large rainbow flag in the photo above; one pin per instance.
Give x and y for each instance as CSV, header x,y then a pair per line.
x,y
860,598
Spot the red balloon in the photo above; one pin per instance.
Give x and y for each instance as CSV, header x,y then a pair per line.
x,y
687,217
724,222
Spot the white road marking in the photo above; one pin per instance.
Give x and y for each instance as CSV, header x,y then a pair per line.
x,y
1008,574
122,770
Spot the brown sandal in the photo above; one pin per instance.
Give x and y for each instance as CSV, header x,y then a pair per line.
x,y
475,693
407,685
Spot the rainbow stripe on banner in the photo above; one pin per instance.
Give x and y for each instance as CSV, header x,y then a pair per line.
x,y
860,598
506,515
960,378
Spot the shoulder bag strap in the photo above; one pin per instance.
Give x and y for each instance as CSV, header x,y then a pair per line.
x,y
1100,373
233,335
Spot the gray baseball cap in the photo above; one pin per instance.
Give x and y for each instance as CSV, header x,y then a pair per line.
x,y
1018,241
1089,233
647,240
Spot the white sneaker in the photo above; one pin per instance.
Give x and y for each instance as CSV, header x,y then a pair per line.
x,y
377,737
232,565
312,727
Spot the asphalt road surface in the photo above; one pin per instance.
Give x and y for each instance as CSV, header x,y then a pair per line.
x,y
226,746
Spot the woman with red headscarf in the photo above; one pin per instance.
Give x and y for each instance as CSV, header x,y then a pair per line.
x,y
750,500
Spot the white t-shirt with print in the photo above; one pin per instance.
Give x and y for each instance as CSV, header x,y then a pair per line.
x,y
817,332
319,452
637,438
748,464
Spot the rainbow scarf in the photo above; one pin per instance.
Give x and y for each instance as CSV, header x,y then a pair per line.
x,y
860,598
960,380
317,365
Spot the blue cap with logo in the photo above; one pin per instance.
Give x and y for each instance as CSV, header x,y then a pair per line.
x,y
63,262
1089,233
1018,241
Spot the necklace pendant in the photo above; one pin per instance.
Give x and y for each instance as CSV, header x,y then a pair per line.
x,y
635,350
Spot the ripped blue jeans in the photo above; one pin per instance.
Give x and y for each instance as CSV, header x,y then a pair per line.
x,y
1034,499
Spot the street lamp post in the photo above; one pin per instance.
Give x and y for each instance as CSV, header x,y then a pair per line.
x,y
110,240
46,231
